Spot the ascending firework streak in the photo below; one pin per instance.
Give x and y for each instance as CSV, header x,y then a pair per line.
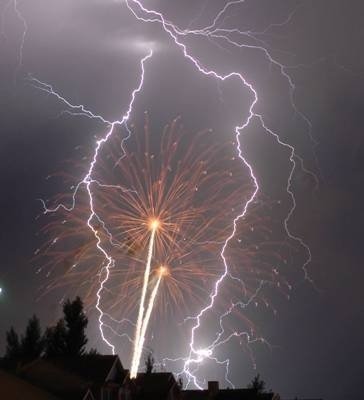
x,y
162,271
141,324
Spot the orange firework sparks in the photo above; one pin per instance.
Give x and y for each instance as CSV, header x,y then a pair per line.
x,y
175,193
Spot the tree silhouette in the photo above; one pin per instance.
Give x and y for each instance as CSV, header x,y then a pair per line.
x,y
149,363
76,322
66,338
12,351
258,385
55,340
32,342
92,352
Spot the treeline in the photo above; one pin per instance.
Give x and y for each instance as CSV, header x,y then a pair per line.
x,y
66,338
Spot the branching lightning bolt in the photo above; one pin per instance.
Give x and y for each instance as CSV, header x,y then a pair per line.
x,y
23,21
25,28
88,181
196,356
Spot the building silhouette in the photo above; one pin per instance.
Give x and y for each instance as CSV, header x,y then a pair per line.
x,y
102,377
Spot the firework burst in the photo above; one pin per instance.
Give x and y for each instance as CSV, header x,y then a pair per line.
x,y
164,205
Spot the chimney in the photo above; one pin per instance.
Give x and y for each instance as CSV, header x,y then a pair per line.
x,y
213,388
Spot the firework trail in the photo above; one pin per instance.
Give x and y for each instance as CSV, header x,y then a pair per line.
x,y
148,313
140,330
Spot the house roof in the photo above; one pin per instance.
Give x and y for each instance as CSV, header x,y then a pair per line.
x,y
14,388
241,394
225,394
157,384
47,375
94,368
195,394
71,377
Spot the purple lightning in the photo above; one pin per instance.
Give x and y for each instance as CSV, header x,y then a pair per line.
x,y
88,181
23,21
196,356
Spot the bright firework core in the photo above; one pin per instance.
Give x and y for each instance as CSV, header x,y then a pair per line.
x,y
154,224
163,270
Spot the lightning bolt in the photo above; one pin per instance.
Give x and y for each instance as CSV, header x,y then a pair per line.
x,y
21,18
22,42
88,181
196,356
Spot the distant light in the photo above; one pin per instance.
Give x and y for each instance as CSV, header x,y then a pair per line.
x,y
1,290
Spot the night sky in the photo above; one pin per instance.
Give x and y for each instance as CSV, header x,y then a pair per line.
x,y
90,51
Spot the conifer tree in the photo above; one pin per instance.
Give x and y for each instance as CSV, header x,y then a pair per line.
x,y
12,351
76,323
32,342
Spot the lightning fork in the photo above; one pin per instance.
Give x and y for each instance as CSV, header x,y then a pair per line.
x,y
88,181
151,16
196,356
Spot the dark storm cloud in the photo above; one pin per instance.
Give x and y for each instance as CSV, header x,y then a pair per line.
x,y
90,51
